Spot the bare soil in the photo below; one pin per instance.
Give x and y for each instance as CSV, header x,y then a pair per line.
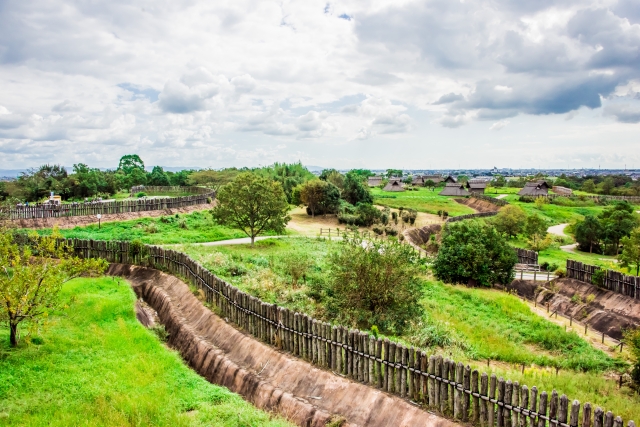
x,y
478,205
269,379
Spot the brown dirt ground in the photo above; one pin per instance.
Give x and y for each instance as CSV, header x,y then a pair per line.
x,y
478,205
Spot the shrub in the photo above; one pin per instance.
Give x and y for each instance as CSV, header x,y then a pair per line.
x,y
632,340
590,298
384,219
165,220
390,231
374,283
182,223
378,230
576,299
151,228
597,278
141,194
295,265
560,273
209,200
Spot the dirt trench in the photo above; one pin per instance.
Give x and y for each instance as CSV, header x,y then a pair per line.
x,y
79,221
478,205
269,379
609,312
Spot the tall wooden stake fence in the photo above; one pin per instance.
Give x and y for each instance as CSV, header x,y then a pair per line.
x,y
436,383
169,189
105,208
613,280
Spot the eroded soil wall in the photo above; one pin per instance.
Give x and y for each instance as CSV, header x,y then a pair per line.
x,y
609,312
270,379
478,204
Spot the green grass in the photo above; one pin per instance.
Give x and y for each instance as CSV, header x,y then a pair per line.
x,y
97,366
556,214
423,200
164,230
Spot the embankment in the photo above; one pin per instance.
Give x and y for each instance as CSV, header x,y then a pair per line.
x,y
479,205
79,221
418,237
609,312
270,379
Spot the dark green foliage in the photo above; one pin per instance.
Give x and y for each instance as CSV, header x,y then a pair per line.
x,y
632,340
588,233
288,175
597,278
130,162
368,214
373,283
603,233
473,252
356,189
321,197
158,177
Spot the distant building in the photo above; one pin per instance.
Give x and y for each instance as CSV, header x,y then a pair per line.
x,y
374,181
422,179
394,184
535,188
454,189
450,179
564,191
476,186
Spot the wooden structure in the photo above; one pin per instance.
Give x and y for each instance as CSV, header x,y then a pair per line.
x,y
450,179
374,181
562,191
394,184
613,281
454,189
420,180
430,381
475,186
535,189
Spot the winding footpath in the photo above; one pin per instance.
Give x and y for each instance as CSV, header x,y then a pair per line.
x,y
558,230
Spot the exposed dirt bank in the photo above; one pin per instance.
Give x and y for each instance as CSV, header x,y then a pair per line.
x,y
417,237
478,205
609,312
269,379
79,221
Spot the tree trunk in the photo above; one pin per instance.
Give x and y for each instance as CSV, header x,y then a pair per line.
x,y
14,334
253,238
591,247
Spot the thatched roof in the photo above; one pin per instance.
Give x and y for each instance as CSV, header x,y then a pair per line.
x,y
476,184
450,179
394,185
454,189
374,181
535,188
421,179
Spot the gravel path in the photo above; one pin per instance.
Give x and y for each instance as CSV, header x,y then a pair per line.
x,y
501,196
558,230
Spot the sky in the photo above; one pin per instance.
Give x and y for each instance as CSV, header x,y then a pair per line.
x,y
377,84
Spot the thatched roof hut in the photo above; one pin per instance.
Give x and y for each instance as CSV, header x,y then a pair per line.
x,y
394,185
454,189
476,186
374,181
534,189
422,179
450,179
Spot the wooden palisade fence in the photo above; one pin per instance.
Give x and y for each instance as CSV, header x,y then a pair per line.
x,y
597,198
105,208
526,256
436,383
169,189
613,280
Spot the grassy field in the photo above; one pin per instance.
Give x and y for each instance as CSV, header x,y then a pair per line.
x,y
423,200
95,365
184,228
471,325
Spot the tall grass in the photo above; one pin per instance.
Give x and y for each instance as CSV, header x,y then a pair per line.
x,y
97,366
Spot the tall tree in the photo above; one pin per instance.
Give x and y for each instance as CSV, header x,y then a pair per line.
x,y
158,177
31,277
510,220
535,228
129,162
588,233
630,255
471,252
252,203
355,189
617,222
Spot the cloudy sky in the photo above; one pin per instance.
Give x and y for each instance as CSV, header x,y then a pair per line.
x,y
407,84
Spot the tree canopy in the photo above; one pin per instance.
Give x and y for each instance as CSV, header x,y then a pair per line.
x,y
630,255
471,252
252,203
356,190
321,197
510,220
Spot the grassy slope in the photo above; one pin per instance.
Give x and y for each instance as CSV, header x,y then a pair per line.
x,y
488,324
200,228
423,200
99,366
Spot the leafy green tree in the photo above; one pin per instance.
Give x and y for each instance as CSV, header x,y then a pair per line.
x,y
589,186
617,222
367,214
429,184
471,252
213,178
630,255
130,162
588,233
180,178
356,190
607,185
499,181
632,340
319,196
363,173
374,283
510,220
86,181
337,179
535,228
158,177
393,173
324,175
252,203
32,276
288,175
36,184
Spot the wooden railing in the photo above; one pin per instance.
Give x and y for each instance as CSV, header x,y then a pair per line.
x,y
434,382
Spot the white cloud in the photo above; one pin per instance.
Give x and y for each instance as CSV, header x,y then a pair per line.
x,y
499,125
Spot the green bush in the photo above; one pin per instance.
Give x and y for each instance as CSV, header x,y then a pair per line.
x,y
390,231
141,194
597,278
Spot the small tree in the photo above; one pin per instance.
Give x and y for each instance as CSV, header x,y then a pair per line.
x,y
32,277
631,251
253,204
510,220
374,283
588,233
589,186
312,193
429,184
355,189
535,228
471,252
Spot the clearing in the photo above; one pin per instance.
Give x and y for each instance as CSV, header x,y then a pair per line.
x,y
422,200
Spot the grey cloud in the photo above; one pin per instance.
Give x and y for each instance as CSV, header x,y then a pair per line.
x,y
65,106
177,97
448,98
623,112
376,78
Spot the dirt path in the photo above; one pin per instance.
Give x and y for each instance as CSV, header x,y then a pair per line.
x,y
268,378
558,230
501,196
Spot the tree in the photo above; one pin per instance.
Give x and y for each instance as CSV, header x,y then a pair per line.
x,y
632,340
374,283
589,186
607,185
393,173
212,178
158,177
356,190
429,184
130,162
32,276
617,222
510,220
588,233
535,228
252,203
320,196
288,175
499,181
631,251
337,179
471,252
